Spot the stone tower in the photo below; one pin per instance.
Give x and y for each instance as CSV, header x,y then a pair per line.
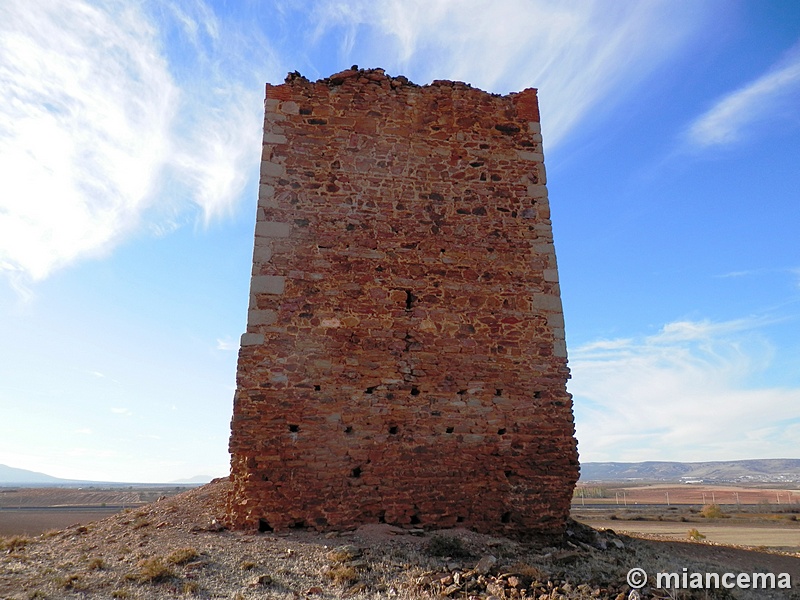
x,y
404,360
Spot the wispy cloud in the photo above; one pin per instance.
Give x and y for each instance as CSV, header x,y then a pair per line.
x,y
686,393
579,54
792,272
726,121
226,345
83,129
105,126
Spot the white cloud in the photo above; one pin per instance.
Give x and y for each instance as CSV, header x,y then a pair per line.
x,y
732,116
103,127
686,393
87,100
579,54
225,345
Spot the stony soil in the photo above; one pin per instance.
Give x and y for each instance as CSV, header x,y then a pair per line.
x,y
176,548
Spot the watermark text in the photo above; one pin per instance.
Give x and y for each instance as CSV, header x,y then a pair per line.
x,y
693,580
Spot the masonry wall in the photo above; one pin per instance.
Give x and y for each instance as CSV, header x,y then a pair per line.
x,y
404,360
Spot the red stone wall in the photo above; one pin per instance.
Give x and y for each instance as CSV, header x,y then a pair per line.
x,y
404,360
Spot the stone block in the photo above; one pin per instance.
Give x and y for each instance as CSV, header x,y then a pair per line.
x,y
532,156
551,275
261,317
546,303
270,169
274,138
267,284
265,191
273,229
290,107
537,191
252,339
262,254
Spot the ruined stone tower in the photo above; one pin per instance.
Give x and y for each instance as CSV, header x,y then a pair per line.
x,y
404,360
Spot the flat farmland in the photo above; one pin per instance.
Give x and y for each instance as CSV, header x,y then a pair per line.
x,y
748,516
699,494
34,522
31,511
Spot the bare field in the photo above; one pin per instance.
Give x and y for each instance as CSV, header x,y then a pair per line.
x,y
34,522
754,517
670,493
124,496
31,511
782,537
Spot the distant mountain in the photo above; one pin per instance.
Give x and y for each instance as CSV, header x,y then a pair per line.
x,y
779,470
195,479
10,475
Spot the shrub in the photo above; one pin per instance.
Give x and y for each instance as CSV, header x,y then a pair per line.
x,y
153,570
191,588
14,543
181,556
440,545
68,582
342,574
696,535
712,511
344,553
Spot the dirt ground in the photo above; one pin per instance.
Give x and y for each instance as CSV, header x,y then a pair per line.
x,y
176,548
34,522
775,537
756,525
94,496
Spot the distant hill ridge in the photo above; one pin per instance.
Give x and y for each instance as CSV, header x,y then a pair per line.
x,y
24,477
777,470
14,475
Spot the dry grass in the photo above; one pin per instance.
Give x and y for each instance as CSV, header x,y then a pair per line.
x,y
14,543
191,588
342,575
152,570
440,545
712,511
695,535
530,572
181,556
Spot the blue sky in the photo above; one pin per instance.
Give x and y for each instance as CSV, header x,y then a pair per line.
x,y
129,148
